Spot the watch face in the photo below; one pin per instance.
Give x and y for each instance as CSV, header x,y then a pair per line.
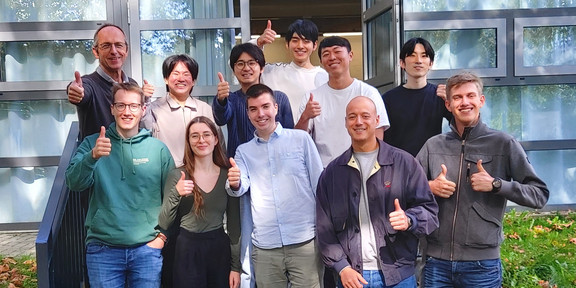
x,y
496,184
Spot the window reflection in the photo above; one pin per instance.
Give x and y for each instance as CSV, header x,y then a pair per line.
x,y
549,46
380,56
52,11
463,5
45,60
184,9
558,170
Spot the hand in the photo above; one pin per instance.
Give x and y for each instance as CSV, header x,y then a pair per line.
x,y
267,37
234,279
223,88
76,89
234,175
312,109
184,187
481,181
103,146
441,186
148,89
398,218
352,279
441,91
156,243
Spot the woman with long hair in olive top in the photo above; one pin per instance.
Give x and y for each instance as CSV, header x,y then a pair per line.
x,y
205,255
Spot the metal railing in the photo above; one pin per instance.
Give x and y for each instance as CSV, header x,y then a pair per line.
x,y
60,242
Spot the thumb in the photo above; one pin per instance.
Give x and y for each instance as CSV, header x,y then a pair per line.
x,y
233,163
479,164
397,205
269,26
145,82
77,78
444,171
220,77
182,175
311,98
102,132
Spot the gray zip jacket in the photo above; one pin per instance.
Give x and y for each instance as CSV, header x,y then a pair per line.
x,y
471,222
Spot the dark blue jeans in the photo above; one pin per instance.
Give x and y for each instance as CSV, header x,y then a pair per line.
x,y
375,279
119,267
462,274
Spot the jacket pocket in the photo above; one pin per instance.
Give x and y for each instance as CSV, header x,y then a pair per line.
x,y
483,229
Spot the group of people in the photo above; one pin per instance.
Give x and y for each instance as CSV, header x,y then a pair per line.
x,y
321,182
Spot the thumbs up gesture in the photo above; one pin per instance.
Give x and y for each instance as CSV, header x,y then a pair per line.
x,y
312,109
103,146
223,88
398,218
234,175
184,187
76,89
148,89
441,186
267,37
481,181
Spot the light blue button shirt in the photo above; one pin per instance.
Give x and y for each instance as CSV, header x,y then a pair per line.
x,y
281,175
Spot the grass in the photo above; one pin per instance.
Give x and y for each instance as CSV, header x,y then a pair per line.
x,y
539,251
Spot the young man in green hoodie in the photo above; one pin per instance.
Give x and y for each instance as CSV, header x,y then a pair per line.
x,y
125,168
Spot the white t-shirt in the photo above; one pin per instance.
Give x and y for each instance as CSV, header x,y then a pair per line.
x,y
328,129
294,81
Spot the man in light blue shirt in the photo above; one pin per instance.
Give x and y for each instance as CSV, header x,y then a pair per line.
x,y
280,169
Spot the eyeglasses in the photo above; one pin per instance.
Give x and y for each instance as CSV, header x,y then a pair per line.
x,y
134,107
195,137
241,64
107,46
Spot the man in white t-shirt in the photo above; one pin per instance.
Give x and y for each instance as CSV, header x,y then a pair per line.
x,y
321,110
298,77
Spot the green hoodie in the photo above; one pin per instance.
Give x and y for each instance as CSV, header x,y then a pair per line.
x,y
126,187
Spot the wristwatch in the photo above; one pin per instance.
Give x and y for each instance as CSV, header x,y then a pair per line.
x,y
496,184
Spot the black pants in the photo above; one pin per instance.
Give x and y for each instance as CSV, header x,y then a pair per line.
x,y
202,260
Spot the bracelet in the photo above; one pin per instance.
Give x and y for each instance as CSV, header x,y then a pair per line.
x,y
162,237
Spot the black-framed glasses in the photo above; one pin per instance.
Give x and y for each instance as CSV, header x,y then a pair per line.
x,y
241,64
195,137
107,46
134,107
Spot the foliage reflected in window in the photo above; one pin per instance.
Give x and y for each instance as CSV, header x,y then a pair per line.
x,y
462,5
52,11
184,9
549,46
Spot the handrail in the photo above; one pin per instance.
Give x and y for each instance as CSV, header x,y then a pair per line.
x,y
49,230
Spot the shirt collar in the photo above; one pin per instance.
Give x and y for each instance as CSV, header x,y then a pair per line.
x,y
277,132
101,72
190,103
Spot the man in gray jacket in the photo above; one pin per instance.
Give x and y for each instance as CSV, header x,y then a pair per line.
x,y
473,171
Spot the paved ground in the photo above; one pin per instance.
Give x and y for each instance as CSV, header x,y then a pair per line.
x,y
18,243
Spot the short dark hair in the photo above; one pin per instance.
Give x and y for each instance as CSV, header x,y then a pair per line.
x,y
127,86
408,48
333,41
303,28
171,61
257,90
95,44
249,49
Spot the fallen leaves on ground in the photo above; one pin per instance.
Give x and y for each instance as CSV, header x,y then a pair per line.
x,y
11,271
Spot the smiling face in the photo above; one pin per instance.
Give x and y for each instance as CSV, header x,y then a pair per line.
x,y
262,112
465,101
361,122
418,63
110,56
336,60
202,140
180,81
300,48
127,121
247,70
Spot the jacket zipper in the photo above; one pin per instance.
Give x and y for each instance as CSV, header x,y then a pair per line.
x,y
464,134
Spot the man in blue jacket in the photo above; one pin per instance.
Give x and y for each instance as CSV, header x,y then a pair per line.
x,y
125,169
372,204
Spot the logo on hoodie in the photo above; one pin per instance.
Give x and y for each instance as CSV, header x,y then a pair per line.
x,y
138,161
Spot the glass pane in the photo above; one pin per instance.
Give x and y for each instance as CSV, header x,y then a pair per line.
x,y
375,2
558,170
461,49
185,9
34,128
45,60
210,48
24,193
52,10
461,5
380,57
549,46
545,112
